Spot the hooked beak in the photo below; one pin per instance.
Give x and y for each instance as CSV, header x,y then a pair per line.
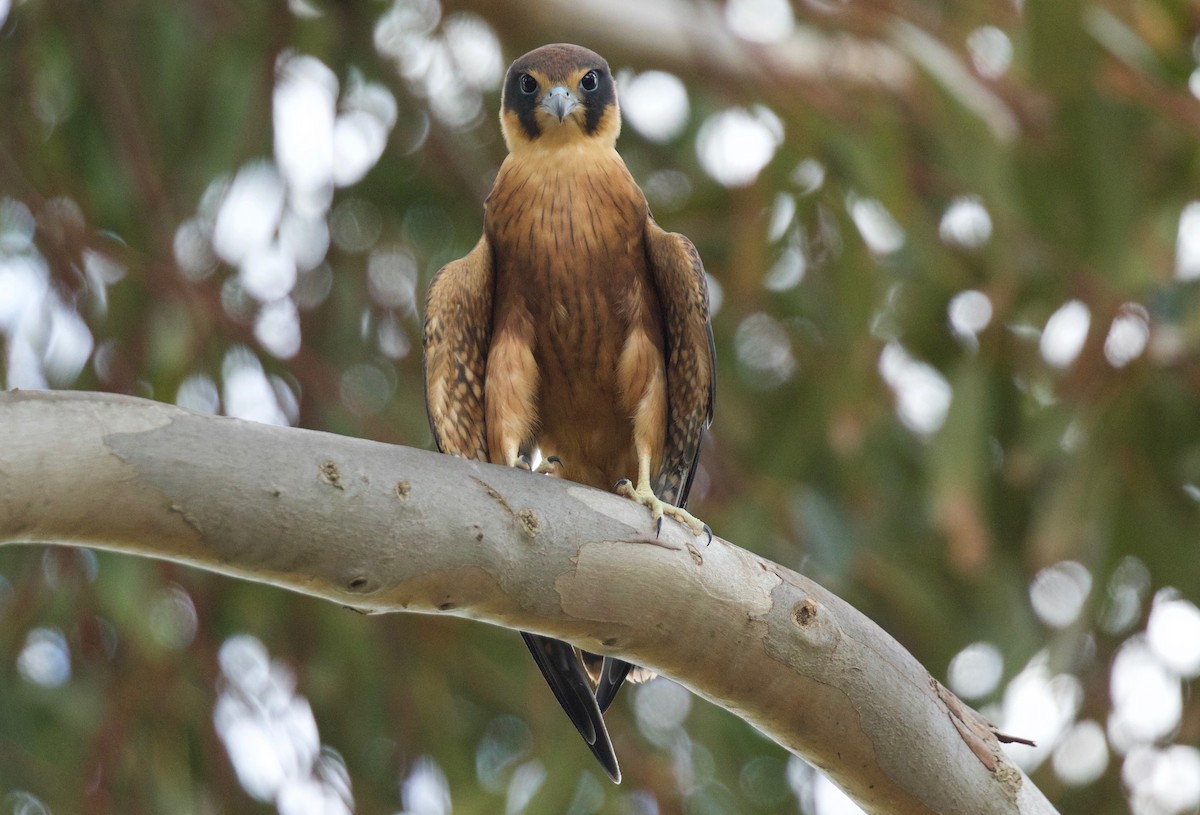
x,y
559,102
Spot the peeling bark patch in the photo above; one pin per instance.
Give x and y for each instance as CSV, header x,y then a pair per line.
x,y
1004,738
493,494
187,517
979,737
974,742
805,612
527,519
403,490
330,474
695,553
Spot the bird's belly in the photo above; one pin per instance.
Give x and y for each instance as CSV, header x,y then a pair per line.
x,y
580,418
570,259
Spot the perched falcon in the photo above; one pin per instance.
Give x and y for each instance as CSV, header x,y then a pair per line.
x,y
576,326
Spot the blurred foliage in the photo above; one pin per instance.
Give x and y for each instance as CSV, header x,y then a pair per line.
x,y
117,117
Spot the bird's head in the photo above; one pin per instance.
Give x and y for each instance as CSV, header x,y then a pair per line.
x,y
559,95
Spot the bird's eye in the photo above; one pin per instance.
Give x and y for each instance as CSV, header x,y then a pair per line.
x,y
529,85
590,81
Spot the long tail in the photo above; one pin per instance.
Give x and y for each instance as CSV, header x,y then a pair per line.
x,y
566,678
612,674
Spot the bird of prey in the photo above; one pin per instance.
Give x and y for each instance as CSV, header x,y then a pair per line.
x,y
576,326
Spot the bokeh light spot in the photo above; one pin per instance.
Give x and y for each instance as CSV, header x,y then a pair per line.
x,y
425,791
475,49
305,239
809,176
277,328
1038,706
1128,588
172,618
828,799
392,279
360,132
1065,333
763,346
1147,699
788,270
975,671
527,779
736,144
764,781
966,223
391,338
268,273
879,230
44,659
249,213
1128,335
1173,632
661,706
271,735
199,393
246,392
760,20
16,226
1059,591
991,51
970,312
305,99
1187,243
193,250
365,389
356,224
505,741
1082,755
922,394
1163,781
655,103
20,802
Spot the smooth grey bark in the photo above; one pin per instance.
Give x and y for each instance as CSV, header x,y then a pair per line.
x,y
386,528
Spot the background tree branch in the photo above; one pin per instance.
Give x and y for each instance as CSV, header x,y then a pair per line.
x,y
387,528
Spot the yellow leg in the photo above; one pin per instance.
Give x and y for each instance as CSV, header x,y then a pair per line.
x,y
645,496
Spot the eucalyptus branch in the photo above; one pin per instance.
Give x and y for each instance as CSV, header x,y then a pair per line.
x,y
385,528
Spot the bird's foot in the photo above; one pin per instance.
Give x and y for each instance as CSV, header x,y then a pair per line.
x,y
645,496
551,465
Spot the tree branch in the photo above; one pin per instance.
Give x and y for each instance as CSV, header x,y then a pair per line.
x,y
385,528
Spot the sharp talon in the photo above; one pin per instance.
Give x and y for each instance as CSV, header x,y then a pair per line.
x,y
708,531
623,484
551,465
523,463
658,527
